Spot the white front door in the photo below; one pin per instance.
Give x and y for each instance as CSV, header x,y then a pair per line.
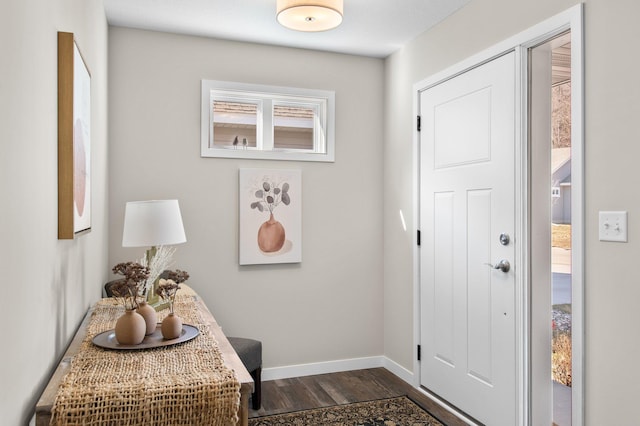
x,y
467,201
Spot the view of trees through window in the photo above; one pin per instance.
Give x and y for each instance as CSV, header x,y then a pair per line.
x,y
561,115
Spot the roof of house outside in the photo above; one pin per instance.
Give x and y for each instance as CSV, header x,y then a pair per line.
x,y
250,108
559,157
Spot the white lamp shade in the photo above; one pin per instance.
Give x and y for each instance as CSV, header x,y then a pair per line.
x,y
310,15
152,223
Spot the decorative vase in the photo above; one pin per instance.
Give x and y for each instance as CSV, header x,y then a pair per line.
x,y
271,235
149,315
171,326
130,328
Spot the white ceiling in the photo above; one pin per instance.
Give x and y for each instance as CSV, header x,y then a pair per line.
x,y
370,27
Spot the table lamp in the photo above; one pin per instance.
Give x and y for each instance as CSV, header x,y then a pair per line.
x,y
151,224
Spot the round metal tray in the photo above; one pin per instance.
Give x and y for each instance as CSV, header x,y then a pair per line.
x,y
108,339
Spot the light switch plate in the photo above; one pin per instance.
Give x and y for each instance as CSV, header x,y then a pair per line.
x,y
612,226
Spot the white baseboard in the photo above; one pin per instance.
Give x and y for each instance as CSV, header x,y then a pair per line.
x,y
399,370
301,370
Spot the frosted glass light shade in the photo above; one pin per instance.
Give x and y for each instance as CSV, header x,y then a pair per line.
x,y
152,223
310,15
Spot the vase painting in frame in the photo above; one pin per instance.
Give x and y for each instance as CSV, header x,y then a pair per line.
x,y
270,216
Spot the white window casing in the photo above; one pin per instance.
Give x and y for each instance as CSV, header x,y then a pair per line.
x,y
302,130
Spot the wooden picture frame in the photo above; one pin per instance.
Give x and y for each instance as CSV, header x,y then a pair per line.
x,y
74,141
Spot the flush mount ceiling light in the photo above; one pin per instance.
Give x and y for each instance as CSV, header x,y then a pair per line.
x,y
310,15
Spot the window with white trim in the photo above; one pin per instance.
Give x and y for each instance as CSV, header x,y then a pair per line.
x,y
241,120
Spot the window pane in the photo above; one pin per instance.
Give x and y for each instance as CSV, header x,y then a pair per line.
x,y
293,127
291,124
233,120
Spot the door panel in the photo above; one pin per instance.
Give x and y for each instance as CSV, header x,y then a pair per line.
x,y
467,200
479,323
455,144
443,285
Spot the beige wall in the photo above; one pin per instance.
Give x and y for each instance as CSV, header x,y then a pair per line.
x,y
612,287
47,285
329,307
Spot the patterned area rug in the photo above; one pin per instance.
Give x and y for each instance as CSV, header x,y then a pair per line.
x,y
399,411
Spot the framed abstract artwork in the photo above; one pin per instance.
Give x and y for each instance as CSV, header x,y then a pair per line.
x,y
270,216
74,140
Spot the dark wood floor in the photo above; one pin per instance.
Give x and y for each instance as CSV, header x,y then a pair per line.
x,y
303,393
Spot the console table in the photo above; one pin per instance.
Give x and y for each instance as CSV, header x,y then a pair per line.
x,y
231,360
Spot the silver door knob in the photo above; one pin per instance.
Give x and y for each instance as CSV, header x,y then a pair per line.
x,y
503,265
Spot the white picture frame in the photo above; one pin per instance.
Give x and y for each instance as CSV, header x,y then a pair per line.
x,y
270,216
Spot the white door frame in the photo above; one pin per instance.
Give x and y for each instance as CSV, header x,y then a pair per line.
x,y
571,19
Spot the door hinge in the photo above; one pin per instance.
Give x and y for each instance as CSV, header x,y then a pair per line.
x,y
419,353
418,239
419,123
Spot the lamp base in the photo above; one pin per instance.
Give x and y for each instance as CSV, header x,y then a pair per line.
x,y
157,302
152,298
160,305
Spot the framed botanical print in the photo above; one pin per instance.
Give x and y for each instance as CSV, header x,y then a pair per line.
x,y
270,216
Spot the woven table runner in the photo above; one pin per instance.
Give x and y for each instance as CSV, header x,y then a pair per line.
x,y
184,384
